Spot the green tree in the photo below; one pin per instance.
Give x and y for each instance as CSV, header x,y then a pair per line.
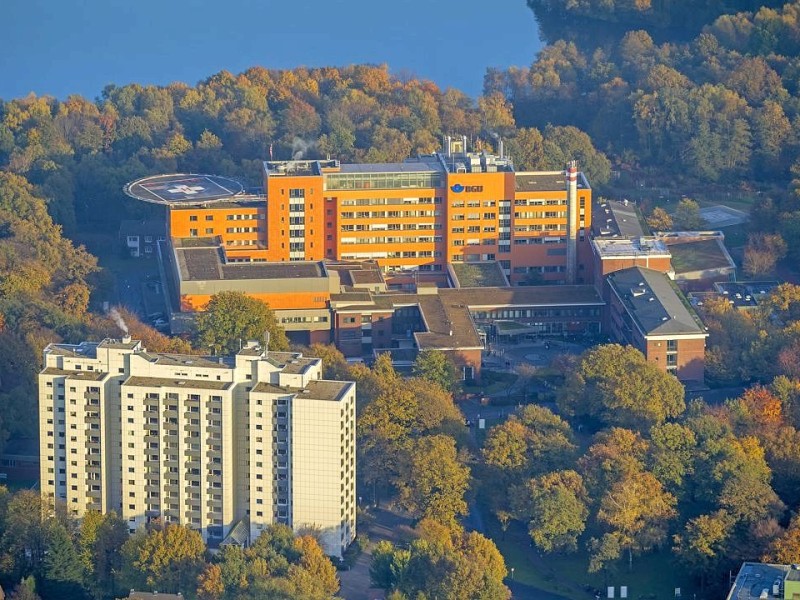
x,y
63,569
25,590
25,533
672,449
231,318
555,507
687,215
436,367
433,481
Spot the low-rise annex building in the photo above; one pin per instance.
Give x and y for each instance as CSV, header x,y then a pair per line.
x,y
225,445
647,311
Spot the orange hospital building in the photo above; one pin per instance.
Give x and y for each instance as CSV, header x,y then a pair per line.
x,y
419,215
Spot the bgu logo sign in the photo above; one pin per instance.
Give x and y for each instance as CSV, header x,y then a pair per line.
x,y
458,188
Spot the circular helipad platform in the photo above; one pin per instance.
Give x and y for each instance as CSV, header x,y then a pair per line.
x,y
183,188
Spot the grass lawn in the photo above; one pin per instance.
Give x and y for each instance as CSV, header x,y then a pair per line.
x,y
653,577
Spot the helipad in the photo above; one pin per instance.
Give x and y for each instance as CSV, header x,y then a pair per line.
x,y
183,188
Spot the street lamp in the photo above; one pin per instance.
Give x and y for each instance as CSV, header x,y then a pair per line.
x,y
512,573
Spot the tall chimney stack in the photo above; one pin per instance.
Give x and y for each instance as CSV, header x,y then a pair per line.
x,y
572,221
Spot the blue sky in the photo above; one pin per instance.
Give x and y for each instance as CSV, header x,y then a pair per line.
x,y
60,47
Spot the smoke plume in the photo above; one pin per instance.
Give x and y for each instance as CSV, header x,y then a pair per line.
x,y
301,147
117,318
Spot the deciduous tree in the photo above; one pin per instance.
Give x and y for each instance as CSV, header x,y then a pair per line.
x,y
555,507
231,318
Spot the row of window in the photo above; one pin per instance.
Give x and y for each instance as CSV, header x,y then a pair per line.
x,y
388,201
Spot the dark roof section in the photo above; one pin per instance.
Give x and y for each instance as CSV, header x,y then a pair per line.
x,y
545,181
543,295
183,188
654,302
410,166
206,263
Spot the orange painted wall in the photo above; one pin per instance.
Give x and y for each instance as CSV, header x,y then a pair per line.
x,y
351,226
214,220
476,211
294,300
279,189
449,226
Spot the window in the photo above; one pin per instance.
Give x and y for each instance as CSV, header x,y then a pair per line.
x,y
193,233
209,217
672,345
193,218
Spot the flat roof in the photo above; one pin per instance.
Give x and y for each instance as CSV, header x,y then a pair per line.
x,y
206,264
479,274
317,389
540,295
184,360
189,384
183,188
82,350
754,578
699,255
418,165
85,375
623,247
653,302
544,181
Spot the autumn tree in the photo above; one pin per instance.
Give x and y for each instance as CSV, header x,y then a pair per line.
x,y
614,455
232,318
636,512
703,544
432,480
535,440
169,558
659,220
441,563
619,386
209,583
786,548
334,364
762,253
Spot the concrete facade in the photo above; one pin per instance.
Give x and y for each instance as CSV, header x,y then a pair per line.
x,y
204,442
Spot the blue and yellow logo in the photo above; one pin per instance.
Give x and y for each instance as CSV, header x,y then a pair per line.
x,y
457,188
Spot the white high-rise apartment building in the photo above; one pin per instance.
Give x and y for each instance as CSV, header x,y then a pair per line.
x,y
225,445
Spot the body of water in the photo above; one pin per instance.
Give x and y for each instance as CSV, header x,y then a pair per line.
x,y
62,47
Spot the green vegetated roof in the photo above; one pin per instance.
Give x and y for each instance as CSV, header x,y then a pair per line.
x,y
480,274
698,256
